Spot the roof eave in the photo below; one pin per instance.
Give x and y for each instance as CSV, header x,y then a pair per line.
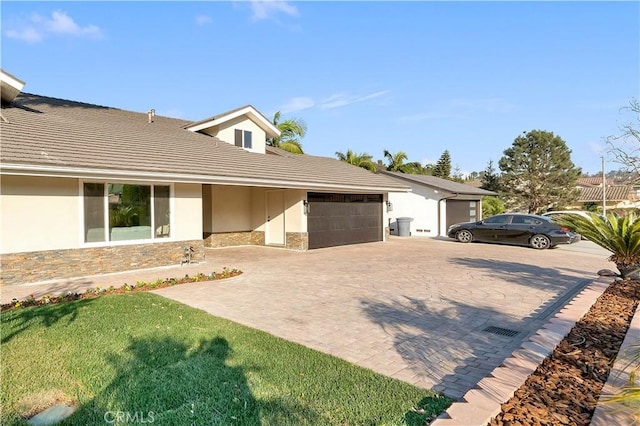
x,y
148,176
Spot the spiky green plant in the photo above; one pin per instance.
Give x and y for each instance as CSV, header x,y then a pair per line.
x,y
627,398
618,234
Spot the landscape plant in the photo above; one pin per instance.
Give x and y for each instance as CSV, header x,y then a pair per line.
x,y
620,234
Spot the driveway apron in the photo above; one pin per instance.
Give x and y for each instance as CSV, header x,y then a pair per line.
x,y
434,313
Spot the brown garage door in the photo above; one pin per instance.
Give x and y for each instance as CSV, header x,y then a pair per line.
x,y
462,211
339,219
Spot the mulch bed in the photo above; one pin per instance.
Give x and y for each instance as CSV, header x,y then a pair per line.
x,y
125,288
565,388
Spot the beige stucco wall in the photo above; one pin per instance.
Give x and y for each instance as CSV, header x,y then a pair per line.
x,y
187,211
225,132
258,211
231,209
39,213
295,219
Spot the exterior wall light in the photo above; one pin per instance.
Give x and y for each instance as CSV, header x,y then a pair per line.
x,y
389,206
305,205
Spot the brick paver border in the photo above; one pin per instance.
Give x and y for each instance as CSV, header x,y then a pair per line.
x,y
481,404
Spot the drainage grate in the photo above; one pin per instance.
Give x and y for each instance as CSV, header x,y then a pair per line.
x,y
501,331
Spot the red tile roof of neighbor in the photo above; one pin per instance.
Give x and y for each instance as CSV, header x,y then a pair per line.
x,y
63,137
612,193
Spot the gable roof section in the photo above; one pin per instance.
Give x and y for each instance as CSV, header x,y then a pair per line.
x,y
54,137
440,184
248,110
10,86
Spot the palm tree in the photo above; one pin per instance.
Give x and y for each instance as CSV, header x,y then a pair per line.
x,y
291,131
395,162
618,234
363,160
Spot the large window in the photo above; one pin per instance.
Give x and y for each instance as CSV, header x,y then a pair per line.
x,y
123,212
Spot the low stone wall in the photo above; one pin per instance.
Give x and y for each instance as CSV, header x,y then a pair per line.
x,y
228,239
293,241
30,267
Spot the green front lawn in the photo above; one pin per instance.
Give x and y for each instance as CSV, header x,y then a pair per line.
x,y
158,361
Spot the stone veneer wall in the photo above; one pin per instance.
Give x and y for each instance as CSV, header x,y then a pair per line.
x,y
227,239
29,267
297,241
230,239
294,240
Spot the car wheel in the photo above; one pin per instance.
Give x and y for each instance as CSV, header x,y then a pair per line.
x,y
464,236
540,242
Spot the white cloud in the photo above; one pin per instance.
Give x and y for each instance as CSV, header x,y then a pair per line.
x,y
28,34
297,104
333,101
265,9
38,27
60,22
203,20
342,99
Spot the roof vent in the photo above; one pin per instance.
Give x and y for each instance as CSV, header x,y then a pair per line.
x,y
10,87
151,113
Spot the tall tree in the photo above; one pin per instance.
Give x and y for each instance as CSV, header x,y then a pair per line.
x,y
443,166
395,162
457,175
291,131
490,179
625,147
537,172
363,159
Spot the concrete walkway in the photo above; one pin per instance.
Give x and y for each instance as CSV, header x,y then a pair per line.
x,y
411,308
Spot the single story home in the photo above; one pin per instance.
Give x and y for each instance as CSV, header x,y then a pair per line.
x,y
88,189
433,204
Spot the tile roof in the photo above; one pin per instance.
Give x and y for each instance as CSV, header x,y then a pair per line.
x,y
439,183
613,193
61,137
590,181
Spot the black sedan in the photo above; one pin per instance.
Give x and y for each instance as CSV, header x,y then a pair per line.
x,y
518,229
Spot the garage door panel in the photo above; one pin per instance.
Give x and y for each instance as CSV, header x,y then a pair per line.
x,y
461,211
353,219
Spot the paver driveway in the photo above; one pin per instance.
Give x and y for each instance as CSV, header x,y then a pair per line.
x,y
411,308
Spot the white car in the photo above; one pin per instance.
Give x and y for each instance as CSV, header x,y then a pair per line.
x,y
554,214
563,212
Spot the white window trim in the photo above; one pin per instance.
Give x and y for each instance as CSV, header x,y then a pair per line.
x,y
107,243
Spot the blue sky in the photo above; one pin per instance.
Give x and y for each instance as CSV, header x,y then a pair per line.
x,y
421,77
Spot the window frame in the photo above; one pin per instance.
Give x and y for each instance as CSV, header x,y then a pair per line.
x,y
241,140
106,242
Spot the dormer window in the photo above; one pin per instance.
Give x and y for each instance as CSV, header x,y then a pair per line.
x,y
243,138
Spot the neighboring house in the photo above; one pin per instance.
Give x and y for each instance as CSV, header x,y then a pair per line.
x,y
617,193
433,203
88,189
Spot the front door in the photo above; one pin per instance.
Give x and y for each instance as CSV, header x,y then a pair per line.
x,y
274,232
